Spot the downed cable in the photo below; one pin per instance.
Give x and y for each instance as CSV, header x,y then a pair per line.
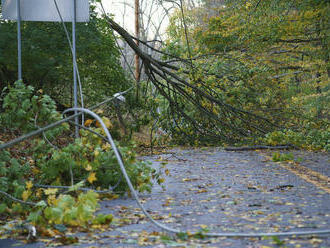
x,y
162,226
133,192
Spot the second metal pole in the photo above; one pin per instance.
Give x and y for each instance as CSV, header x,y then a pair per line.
x,y
19,40
75,91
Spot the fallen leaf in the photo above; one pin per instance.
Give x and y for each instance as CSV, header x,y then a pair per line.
x,y
96,153
315,241
106,122
91,178
29,185
50,191
99,111
88,122
68,240
189,179
25,195
89,167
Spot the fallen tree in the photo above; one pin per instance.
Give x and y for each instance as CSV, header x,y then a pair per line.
x,y
182,85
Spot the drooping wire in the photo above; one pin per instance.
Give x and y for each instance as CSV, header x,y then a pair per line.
x,y
111,188
52,125
162,226
122,167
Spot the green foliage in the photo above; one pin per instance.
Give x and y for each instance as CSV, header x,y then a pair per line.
x,y
182,236
68,210
201,234
74,212
47,59
12,174
284,137
266,58
24,110
310,138
281,157
276,240
3,207
103,219
90,159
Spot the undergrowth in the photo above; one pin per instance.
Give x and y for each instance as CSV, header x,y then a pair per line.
x,y
33,172
309,138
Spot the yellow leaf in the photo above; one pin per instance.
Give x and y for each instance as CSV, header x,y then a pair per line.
x,y
99,111
39,193
316,241
50,191
107,122
106,147
167,172
35,170
97,123
88,122
25,195
189,179
89,167
29,185
91,178
96,153
202,191
51,200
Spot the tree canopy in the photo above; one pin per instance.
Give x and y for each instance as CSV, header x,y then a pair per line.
x,y
267,57
47,59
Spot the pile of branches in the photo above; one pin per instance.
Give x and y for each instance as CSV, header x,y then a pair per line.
x,y
176,80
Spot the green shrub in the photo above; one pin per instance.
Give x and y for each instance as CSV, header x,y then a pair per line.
x,y
90,159
95,163
281,157
24,110
310,138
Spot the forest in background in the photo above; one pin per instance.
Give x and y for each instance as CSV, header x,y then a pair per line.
x,y
267,57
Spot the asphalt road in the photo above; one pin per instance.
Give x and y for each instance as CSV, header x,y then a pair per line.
x,y
220,191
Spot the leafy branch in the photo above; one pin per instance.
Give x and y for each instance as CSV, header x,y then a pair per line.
x,y
184,88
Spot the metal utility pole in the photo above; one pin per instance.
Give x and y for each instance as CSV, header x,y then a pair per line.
x,y
68,11
74,59
19,40
137,34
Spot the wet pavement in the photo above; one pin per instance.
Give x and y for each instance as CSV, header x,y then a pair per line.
x,y
221,191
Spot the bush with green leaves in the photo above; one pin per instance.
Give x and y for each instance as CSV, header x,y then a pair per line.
x,y
24,110
88,160
12,174
316,139
68,210
281,157
95,163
